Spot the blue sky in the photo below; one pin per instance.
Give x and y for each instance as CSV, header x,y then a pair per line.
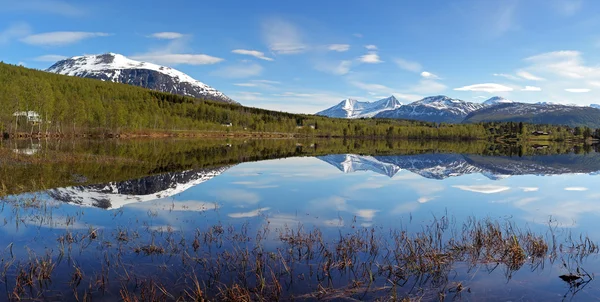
x,y
305,56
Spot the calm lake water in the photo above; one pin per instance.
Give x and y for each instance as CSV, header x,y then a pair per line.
x,y
100,208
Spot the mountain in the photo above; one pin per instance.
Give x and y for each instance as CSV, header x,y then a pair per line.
x,y
433,109
597,106
539,113
117,68
496,100
445,165
350,108
117,194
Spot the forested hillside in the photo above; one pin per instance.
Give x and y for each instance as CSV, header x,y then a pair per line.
x,y
71,105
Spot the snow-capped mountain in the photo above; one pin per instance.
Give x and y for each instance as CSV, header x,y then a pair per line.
x,y
348,163
114,195
538,113
597,106
496,100
350,108
117,68
433,109
441,166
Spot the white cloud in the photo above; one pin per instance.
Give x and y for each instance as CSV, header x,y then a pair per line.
x,y
239,71
340,68
529,189
578,90
254,53
167,35
503,19
485,189
59,38
338,47
366,214
486,87
429,75
425,199
370,58
507,76
49,58
43,6
358,35
371,47
283,37
408,65
528,76
248,214
178,58
14,31
21,64
266,84
531,88
565,64
576,189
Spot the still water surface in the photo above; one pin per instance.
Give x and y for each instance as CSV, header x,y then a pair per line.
x,y
338,193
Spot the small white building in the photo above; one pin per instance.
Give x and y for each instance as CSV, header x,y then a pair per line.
x,y
31,116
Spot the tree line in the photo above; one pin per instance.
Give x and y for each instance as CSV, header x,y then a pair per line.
x,y
72,105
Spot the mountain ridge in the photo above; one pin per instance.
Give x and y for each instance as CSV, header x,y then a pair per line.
x,y
117,68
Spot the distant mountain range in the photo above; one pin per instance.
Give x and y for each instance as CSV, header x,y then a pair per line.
x,y
117,68
350,108
443,109
441,166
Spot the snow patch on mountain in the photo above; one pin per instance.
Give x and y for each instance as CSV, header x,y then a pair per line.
x,y
120,69
351,108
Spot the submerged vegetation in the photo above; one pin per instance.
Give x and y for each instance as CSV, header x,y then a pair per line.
x,y
273,262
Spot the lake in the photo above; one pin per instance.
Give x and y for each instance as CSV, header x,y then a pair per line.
x,y
298,219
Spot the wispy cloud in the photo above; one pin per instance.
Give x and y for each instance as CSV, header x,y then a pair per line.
x,y
59,38
177,59
167,35
486,87
428,86
529,189
371,47
338,47
283,37
429,75
531,88
408,65
248,214
337,68
485,189
49,58
577,90
507,76
266,84
44,6
243,70
14,31
528,76
576,189
255,53
568,7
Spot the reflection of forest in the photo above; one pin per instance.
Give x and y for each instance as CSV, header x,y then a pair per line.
x,y
61,163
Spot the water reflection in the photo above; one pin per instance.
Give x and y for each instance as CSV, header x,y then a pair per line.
x,y
340,194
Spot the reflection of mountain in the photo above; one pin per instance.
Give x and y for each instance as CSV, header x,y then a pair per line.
x,y
440,166
117,194
351,163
